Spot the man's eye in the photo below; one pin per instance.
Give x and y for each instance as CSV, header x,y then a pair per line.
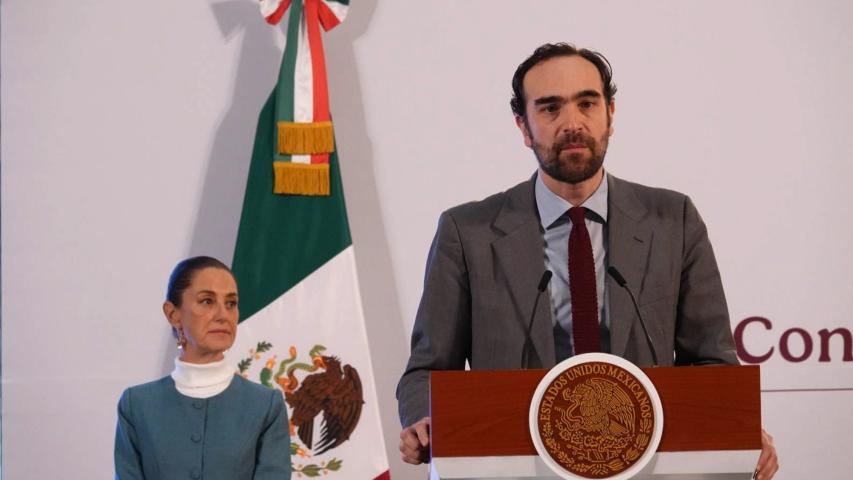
x,y
550,108
586,105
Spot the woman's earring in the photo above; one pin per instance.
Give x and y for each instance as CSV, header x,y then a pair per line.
x,y
182,340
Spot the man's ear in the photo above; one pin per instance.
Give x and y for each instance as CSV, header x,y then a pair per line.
x,y
521,123
611,111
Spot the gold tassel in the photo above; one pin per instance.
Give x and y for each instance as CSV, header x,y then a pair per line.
x,y
301,178
305,138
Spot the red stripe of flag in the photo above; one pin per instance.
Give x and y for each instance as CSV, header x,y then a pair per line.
x,y
318,69
386,475
275,17
327,17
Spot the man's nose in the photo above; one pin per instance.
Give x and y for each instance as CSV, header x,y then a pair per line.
x,y
572,122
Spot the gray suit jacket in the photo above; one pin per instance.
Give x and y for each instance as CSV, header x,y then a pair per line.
x,y
487,258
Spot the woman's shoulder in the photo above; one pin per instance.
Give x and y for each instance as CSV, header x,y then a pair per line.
x,y
152,386
146,390
256,400
251,392
248,387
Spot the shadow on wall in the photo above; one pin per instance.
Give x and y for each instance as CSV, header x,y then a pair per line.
x,y
215,231
221,201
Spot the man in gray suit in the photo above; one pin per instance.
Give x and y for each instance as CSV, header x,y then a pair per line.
x,y
488,256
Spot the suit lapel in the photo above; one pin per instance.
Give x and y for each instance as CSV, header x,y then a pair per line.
x,y
519,254
629,240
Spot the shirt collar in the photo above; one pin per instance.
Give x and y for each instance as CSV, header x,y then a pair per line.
x,y
552,207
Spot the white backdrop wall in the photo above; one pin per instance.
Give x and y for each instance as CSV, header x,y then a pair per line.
x,y
127,130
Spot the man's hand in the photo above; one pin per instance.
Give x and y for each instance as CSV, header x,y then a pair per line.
x,y
414,442
768,463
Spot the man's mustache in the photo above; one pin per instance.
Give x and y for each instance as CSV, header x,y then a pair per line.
x,y
574,138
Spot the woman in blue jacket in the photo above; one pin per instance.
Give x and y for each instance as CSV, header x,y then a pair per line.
x,y
202,421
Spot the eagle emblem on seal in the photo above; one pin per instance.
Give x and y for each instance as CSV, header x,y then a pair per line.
x,y
598,406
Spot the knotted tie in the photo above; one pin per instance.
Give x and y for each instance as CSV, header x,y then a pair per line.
x,y
582,286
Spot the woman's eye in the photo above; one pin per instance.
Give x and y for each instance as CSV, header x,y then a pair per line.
x,y
207,301
231,304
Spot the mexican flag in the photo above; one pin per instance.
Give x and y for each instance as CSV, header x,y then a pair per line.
x,y
302,330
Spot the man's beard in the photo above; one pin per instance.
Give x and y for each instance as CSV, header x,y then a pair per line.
x,y
575,167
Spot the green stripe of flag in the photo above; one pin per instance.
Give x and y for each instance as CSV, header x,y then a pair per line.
x,y
283,238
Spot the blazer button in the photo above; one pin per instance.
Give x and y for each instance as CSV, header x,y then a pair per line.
x,y
195,474
196,438
198,404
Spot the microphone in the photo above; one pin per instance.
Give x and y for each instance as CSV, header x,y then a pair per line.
x,y
543,284
611,270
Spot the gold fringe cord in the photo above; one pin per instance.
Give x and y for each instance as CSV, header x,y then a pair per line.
x,y
301,178
305,138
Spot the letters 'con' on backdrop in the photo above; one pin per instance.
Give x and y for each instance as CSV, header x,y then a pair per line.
x,y
126,140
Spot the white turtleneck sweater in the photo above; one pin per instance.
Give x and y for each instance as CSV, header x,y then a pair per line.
x,y
202,380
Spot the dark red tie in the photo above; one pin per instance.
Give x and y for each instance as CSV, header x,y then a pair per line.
x,y
582,286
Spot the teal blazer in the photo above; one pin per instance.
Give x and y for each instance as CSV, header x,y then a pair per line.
x,y
239,434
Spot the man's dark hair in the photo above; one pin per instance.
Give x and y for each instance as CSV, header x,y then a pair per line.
x,y
551,50
182,275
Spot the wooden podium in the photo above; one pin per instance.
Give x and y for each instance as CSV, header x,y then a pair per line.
x,y
712,424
